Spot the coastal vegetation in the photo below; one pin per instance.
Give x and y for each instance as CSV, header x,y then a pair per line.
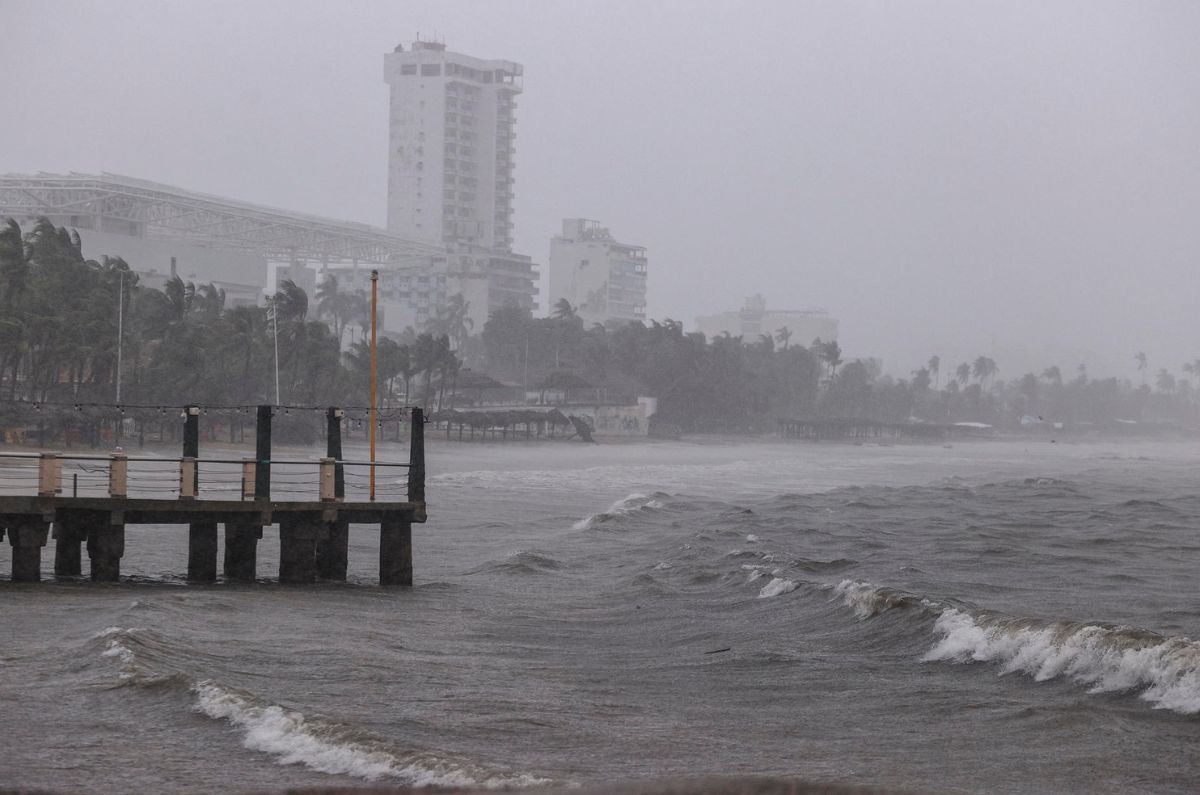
x,y
59,320
181,343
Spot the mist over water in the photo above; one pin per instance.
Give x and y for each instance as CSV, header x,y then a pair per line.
x,y
1000,616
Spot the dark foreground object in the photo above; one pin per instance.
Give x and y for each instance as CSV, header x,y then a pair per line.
x,y
313,535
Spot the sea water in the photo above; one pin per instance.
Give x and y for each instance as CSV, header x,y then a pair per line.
x,y
990,616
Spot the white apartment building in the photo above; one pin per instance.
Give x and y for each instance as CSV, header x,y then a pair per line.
x,y
450,179
450,157
603,279
804,325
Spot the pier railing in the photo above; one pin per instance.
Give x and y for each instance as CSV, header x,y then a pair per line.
x,y
89,499
53,474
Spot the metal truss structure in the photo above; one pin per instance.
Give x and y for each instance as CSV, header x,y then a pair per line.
x,y
113,203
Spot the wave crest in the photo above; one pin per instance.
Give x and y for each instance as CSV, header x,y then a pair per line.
x,y
867,600
330,748
622,507
1107,659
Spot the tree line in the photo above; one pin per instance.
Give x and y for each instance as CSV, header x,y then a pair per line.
x,y
59,320
182,344
732,383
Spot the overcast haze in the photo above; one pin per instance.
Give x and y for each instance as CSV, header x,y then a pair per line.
x,y
1016,179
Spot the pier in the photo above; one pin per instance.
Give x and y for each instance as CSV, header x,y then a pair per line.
x,y
105,493
824,428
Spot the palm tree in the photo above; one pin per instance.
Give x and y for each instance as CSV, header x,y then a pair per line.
x,y
963,373
934,366
1192,368
291,302
1140,358
830,353
337,306
425,360
783,334
1053,374
14,264
179,297
563,310
984,368
452,320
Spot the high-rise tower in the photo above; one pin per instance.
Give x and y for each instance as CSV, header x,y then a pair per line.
x,y
450,161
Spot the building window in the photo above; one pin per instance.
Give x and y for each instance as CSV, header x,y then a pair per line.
x,y
431,69
408,68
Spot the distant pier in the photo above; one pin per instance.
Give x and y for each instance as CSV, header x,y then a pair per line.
x,y
208,493
821,428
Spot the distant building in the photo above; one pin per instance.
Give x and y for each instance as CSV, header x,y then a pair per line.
x,y
450,157
162,231
412,297
604,280
754,319
450,176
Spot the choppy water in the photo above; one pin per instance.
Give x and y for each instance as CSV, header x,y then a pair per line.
x,y
990,617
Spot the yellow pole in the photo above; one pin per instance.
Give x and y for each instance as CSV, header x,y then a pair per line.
x,y
374,364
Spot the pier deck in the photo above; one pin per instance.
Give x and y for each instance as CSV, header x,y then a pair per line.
x,y
313,533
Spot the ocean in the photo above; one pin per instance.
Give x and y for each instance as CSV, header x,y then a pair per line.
x,y
998,616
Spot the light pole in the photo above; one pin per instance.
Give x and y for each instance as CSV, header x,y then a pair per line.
x,y
275,334
374,365
120,328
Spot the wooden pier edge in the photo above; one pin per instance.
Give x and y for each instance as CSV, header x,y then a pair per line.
x,y
313,535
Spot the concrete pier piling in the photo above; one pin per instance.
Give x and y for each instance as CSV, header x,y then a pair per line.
x,y
27,537
241,551
395,551
202,552
106,547
332,551
298,537
70,531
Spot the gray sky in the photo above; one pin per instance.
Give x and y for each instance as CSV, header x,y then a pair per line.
x,y
1010,178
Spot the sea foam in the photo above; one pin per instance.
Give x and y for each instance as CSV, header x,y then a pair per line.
x,y
1106,659
622,507
330,748
776,587
1164,671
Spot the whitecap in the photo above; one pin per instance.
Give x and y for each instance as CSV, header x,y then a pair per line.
x,y
1106,659
776,587
622,507
327,748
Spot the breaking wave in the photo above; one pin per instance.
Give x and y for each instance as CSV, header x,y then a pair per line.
x,y
289,735
623,507
1166,670
867,600
328,747
777,587
520,562
1163,670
